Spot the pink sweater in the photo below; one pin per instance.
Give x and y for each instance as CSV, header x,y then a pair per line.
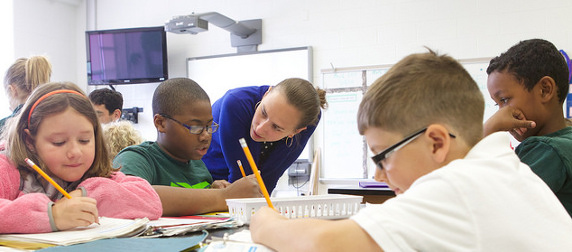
x,y
120,196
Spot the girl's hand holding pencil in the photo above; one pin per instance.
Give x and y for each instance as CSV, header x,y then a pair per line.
x,y
75,212
72,210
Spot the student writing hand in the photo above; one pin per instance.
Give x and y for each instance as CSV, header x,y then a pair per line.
x,y
508,119
246,187
75,212
220,184
263,215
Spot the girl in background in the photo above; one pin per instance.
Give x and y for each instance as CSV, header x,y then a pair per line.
x,y
58,130
22,78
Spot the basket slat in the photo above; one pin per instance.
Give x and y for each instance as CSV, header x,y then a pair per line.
x,y
328,206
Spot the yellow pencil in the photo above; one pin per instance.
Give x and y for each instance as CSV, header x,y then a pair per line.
x,y
35,167
241,169
255,170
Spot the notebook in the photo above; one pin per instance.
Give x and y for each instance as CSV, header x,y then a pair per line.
x,y
107,228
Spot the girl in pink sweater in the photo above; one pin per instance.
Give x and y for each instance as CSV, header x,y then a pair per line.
x,y
58,129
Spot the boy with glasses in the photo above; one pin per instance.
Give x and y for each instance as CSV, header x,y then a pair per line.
x,y
172,164
456,191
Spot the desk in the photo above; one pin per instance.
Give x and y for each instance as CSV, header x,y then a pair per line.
x,y
370,195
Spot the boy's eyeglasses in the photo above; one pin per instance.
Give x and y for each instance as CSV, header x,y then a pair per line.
x,y
378,158
194,129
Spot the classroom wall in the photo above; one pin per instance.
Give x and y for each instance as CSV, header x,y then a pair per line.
x,y
342,33
52,28
347,33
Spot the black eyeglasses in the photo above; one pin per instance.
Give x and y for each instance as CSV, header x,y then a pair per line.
x,y
194,129
391,149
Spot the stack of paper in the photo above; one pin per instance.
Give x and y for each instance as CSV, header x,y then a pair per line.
x,y
107,228
171,226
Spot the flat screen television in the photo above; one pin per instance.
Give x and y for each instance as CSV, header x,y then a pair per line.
x,y
126,56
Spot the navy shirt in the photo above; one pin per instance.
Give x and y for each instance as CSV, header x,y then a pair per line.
x,y
234,112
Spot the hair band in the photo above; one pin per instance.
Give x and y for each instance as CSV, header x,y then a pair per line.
x,y
46,96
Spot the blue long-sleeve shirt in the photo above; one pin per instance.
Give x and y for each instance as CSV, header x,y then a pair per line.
x,y
234,112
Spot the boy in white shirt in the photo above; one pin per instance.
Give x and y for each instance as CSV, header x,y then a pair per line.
x,y
456,191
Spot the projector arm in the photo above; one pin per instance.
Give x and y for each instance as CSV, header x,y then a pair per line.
x,y
244,35
226,23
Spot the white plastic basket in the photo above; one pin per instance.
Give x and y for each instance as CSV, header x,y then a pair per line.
x,y
327,206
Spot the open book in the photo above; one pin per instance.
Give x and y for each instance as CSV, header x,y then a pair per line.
x,y
107,228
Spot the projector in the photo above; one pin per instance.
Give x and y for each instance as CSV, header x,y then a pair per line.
x,y
186,24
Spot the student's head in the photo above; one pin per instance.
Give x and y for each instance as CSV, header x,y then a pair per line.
x,y
120,134
24,76
531,76
422,91
58,130
107,104
183,118
286,110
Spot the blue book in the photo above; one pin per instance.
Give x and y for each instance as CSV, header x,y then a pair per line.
x,y
372,184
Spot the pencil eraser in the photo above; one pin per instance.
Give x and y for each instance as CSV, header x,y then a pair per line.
x,y
29,162
242,142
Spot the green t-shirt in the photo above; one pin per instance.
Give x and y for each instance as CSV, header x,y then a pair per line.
x,y
149,162
550,157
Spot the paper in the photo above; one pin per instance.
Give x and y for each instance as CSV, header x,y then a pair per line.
x,y
108,228
236,246
239,241
170,226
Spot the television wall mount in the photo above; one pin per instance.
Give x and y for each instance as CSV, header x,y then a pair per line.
x,y
244,35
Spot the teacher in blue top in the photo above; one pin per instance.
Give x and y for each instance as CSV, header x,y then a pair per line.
x,y
275,121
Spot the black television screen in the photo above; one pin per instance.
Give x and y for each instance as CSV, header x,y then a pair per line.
x,y
126,56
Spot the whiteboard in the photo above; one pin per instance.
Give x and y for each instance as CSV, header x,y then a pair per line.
x,y
345,153
217,74
478,70
342,143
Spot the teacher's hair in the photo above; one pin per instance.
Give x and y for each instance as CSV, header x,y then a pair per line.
x,y
304,97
